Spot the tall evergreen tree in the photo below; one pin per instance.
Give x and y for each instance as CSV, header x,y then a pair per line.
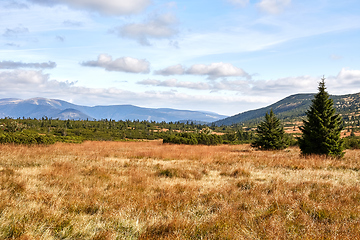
x,y
270,134
322,129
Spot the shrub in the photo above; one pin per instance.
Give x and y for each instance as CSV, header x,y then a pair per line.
x,y
193,139
270,134
352,142
26,138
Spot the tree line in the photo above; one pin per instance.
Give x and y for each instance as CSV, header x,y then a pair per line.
x,y
48,131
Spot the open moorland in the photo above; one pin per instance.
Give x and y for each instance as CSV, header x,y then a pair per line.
x,y
151,190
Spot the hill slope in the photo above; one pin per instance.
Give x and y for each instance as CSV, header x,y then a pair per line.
x,y
294,107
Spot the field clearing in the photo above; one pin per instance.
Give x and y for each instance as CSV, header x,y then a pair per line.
x,y
150,190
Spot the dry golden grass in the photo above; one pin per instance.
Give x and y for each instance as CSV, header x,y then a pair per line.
x,y
149,190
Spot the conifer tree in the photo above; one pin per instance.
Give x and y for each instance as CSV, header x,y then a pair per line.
x,y
270,134
322,129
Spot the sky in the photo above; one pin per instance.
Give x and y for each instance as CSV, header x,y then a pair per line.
x,y
223,56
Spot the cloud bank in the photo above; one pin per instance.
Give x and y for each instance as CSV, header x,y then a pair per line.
x,y
212,71
172,70
125,64
273,6
288,85
347,77
175,83
22,77
109,7
216,70
253,94
29,83
240,3
156,27
15,65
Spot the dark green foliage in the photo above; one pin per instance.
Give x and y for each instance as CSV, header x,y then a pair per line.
x,y
12,126
270,134
352,142
290,140
26,138
193,139
45,131
244,136
321,131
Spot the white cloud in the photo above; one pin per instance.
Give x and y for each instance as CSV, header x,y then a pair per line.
x,y
273,6
285,85
18,78
346,82
177,84
30,83
346,77
125,64
213,71
248,87
156,27
172,70
14,65
347,74
217,70
236,85
111,7
241,86
240,3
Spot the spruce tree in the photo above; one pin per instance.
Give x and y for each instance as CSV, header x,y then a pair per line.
x,y
270,134
322,129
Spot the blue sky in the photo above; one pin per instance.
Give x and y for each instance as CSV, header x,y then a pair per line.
x,y
224,56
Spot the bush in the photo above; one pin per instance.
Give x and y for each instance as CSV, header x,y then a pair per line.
x,y
193,139
26,138
352,142
270,134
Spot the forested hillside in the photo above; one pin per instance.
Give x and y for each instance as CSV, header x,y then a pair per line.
x,y
293,108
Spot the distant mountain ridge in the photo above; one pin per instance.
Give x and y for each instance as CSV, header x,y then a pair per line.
x,y
53,108
291,108
294,107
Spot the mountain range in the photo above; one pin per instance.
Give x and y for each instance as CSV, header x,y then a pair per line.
x,y
58,109
292,108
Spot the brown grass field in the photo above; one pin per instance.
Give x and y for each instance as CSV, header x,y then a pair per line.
x,y
150,190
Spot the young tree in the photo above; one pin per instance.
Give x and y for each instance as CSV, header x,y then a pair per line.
x,y
321,131
270,134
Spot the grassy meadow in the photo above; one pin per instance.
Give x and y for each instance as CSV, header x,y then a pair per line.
x,y
150,190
